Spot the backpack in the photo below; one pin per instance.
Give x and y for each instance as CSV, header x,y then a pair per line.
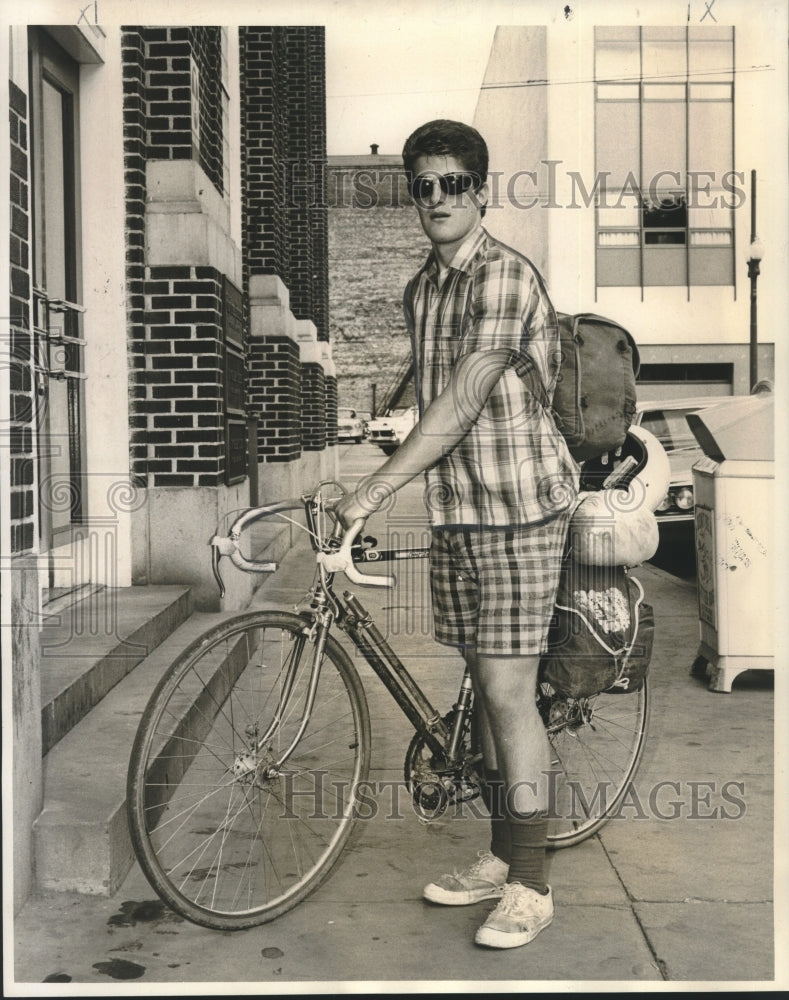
x,y
595,398
601,633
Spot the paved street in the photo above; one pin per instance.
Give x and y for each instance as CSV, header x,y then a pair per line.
x,y
677,890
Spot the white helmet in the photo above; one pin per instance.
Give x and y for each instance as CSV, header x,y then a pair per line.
x,y
638,473
653,475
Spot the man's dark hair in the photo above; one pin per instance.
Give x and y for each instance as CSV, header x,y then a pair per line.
x,y
444,137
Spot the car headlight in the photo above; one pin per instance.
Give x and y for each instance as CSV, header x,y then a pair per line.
x,y
665,503
683,498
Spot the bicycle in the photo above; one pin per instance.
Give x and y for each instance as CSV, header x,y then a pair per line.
x,y
245,775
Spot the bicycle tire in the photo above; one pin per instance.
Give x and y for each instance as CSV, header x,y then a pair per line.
x,y
597,744
222,840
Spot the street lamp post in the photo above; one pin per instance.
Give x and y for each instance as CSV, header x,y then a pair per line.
x,y
755,253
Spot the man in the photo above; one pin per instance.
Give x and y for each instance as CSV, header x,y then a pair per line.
x,y
500,483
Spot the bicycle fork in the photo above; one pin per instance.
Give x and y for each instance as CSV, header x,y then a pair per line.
x,y
248,762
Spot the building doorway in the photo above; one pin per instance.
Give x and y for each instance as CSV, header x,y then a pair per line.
x,y
57,310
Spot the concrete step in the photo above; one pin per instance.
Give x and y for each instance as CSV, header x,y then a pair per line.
x,y
91,645
81,838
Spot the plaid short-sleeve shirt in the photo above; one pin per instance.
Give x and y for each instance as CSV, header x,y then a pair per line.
x,y
513,466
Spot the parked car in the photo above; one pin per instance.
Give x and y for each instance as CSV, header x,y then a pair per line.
x,y
350,426
665,418
390,431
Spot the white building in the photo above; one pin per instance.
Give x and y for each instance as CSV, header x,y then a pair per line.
x,y
622,161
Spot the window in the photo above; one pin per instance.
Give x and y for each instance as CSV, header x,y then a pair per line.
x,y
680,380
665,220
664,156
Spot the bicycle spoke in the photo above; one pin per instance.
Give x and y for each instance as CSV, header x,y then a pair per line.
x,y
596,747
234,836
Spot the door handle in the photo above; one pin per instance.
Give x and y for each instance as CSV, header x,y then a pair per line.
x,y
60,374
63,305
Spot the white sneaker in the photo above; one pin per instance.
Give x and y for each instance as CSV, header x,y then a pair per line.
x,y
483,880
518,919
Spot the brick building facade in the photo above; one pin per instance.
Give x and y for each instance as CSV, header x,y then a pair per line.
x,y
168,358
375,245
189,426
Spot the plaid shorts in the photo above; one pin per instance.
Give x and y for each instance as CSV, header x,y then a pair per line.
x,y
494,588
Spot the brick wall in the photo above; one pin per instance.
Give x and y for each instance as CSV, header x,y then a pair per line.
x,y
206,45
283,143
313,407
274,394
372,182
21,343
134,156
170,54
368,331
311,294
285,224
264,126
179,439
331,410
174,314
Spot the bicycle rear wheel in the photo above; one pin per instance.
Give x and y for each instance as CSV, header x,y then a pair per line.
x,y
596,744
226,836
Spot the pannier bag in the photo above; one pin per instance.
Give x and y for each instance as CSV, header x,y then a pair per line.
x,y
595,398
601,633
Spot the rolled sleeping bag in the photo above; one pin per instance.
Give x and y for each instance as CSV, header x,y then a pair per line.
x,y
600,535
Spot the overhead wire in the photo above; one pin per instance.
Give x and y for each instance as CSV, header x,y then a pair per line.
x,y
517,84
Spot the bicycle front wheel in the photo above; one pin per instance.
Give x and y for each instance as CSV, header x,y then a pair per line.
x,y
596,747
229,828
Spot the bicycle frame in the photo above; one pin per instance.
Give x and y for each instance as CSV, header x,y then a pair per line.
x,y
352,618
358,624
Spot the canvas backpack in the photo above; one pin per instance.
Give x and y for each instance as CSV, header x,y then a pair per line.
x,y
595,398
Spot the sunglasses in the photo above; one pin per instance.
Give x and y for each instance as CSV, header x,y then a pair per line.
x,y
422,186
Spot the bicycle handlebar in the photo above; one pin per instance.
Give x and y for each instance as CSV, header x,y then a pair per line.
x,y
339,559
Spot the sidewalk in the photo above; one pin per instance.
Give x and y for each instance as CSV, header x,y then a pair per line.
x,y
679,889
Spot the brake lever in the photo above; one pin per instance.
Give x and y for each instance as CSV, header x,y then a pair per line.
x,y
216,555
221,545
341,561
